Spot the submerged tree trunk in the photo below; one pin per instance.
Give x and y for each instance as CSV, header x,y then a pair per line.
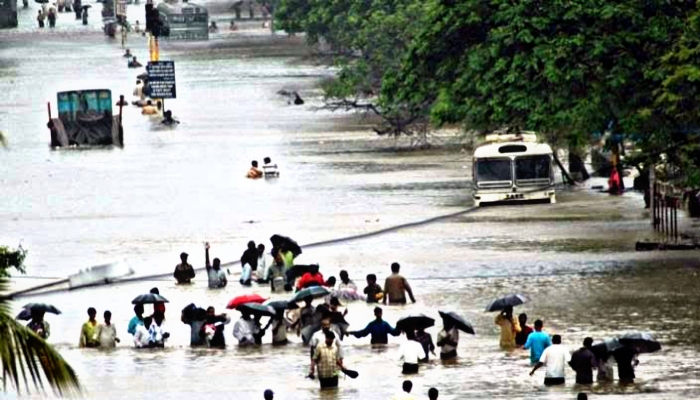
x,y
577,168
567,177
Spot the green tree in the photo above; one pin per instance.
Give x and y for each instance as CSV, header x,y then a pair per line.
x,y
564,68
675,113
366,40
27,360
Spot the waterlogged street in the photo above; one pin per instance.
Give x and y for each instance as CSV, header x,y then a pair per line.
x,y
170,190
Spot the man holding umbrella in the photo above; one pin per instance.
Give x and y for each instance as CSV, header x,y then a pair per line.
x,y
329,360
38,325
34,313
509,328
448,339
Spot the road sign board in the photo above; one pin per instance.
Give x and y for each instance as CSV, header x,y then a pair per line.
x,y
161,79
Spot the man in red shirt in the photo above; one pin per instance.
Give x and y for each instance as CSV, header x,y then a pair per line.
x,y
311,278
525,331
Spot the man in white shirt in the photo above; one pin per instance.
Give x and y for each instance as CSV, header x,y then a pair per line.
x,y
107,332
263,272
411,353
217,277
244,330
269,169
555,359
141,336
157,333
345,282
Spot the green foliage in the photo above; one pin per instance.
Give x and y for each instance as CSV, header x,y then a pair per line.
x,y
27,360
11,258
367,40
569,69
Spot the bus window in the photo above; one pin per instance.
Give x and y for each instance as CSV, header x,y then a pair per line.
x,y
494,169
532,167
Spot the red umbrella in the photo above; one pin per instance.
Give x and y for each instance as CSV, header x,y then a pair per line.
x,y
246,298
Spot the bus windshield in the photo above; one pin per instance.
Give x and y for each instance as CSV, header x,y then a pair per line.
x,y
532,167
493,169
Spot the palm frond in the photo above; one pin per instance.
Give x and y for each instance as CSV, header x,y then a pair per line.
x,y
27,360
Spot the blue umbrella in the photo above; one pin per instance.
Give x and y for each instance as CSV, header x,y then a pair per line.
x,y
282,305
257,309
314,292
603,349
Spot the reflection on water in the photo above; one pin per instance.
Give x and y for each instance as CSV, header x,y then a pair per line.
x,y
170,190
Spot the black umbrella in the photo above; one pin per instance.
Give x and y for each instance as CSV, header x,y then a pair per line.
x,y
282,305
291,245
149,298
41,307
350,373
510,300
42,1
85,7
24,315
642,341
459,322
414,321
257,309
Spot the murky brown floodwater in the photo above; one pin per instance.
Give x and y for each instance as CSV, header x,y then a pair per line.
x,y
168,191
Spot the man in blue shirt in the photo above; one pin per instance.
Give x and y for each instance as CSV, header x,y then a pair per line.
x,y
537,342
379,329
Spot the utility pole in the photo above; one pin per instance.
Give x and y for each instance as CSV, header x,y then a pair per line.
x,y
153,27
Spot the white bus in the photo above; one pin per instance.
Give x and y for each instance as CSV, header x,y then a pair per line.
x,y
513,168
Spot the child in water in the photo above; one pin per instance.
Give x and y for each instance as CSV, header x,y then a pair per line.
x,y
373,290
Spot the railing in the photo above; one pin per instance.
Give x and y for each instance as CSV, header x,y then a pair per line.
x,y
494,184
664,210
532,182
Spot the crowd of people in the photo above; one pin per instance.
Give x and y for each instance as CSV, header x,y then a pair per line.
x,y
49,12
323,327
549,352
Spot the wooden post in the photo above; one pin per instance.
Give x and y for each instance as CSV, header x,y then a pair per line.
x,y
663,214
121,129
652,194
675,220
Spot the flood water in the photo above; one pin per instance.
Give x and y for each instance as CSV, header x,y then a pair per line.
x,y
169,190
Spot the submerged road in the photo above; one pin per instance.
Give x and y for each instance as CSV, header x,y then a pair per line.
x,y
169,191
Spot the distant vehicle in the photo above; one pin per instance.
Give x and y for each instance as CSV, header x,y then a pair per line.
x,y
513,168
8,13
85,119
184,21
